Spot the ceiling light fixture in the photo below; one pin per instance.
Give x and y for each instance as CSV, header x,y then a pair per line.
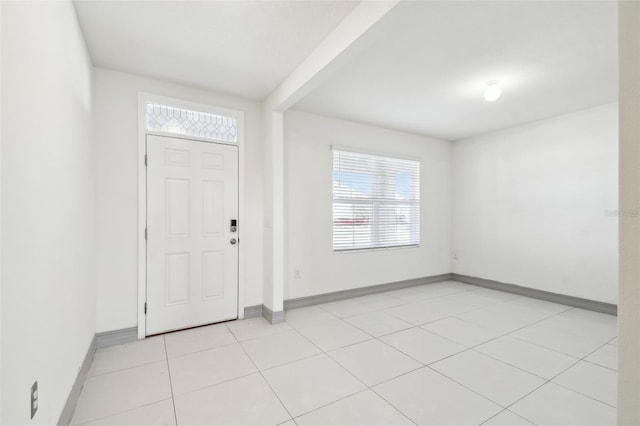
x,y
493,91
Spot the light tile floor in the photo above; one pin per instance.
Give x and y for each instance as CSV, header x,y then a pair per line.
x,y
439,354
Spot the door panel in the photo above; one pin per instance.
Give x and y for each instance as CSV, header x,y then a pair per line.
x,y
192,268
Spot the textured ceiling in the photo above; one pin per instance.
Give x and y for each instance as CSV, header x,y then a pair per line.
x,y
424,66
245,48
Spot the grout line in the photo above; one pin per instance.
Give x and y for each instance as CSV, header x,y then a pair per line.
x,y
126,368
551,381
573,359
267,382
502,407
173,401
121,412
509,411
330,403
585,395
495,415
242,376
291,362
393,406
201,350
600,365
546,347
283,329
446,315
310,342
366,386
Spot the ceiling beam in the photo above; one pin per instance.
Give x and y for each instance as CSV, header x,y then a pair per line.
x,y
319,65
328,55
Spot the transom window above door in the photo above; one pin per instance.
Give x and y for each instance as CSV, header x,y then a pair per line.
x,y
187,122
376,201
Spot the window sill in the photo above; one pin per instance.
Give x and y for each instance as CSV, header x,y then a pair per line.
x,y
360,250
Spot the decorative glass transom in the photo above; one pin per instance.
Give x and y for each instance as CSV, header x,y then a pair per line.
x,y
162,118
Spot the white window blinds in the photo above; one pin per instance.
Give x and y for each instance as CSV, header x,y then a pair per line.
x,y
376,201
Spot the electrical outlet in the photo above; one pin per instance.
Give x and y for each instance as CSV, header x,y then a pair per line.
x,y
296,273
34,398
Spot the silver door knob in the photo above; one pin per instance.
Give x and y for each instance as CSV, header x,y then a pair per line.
x,y
233,241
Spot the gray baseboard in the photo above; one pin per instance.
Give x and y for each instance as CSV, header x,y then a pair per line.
x,y
116,337
302,302
252,311
272,317
72,399
577,302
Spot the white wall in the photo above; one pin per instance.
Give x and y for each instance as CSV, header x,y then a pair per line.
x,y
273,196
48,200
309,207
0,212
116,135
535,205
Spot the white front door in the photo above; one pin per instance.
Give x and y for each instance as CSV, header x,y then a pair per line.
x,y
192,253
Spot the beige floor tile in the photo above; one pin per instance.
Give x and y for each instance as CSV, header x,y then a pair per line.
x,y
210,367
156,414
378,323
374,362
489,377
244,401
591,380
555,405
197,339
277,349
121,391
428,398
362,409
133,354
311,383
422,345
333,334
255,327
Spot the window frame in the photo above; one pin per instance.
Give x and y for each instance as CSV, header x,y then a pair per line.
x,y
377,245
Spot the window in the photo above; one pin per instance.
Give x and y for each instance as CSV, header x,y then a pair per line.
x,y
162,118
376,201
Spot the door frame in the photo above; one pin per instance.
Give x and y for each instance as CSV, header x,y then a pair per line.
x,y
143,99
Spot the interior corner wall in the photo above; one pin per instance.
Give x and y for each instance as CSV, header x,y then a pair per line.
x,y
536,205
48,201
629,289
116,136
308,139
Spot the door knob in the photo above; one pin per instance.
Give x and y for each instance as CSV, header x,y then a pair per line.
x,y
233,241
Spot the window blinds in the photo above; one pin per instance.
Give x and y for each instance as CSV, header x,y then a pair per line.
x,y
376,201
